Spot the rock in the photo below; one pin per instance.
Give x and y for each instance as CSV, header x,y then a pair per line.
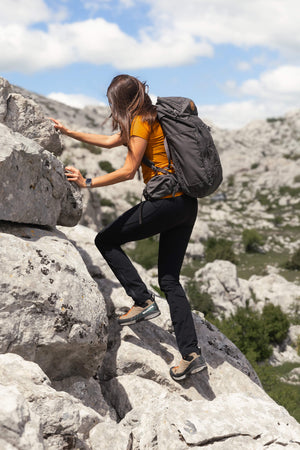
x,y
180,424
51,310
19,427
34,187
293,377
83,238
5,89
110,436
275,289
88,391
91,216
26,117
284,353
64,420
219,279
195,250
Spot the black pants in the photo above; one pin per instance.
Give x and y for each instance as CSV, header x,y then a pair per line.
x,y
173,219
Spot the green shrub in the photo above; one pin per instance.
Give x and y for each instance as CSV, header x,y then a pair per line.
x,y
91,148
106,202
231,180
219,249
252,240
247,331
254,166
108,218
201,301
294,262
275,119
292,156
276,323
278,220
145,252
253,332
132,199
68,161
83,172
287,190
263,199
106,166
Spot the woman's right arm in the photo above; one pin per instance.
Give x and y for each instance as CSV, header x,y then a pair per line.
x,y
100,140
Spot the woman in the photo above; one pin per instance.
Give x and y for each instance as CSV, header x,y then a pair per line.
x,y
172,217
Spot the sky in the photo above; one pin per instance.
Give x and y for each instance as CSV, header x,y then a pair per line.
x,y
238,60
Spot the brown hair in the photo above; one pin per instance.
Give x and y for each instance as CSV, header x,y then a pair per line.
x,y
128,98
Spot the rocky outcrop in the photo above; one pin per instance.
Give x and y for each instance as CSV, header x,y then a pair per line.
x,y
44,418
26,117
220,280
34,187
51,310
70,376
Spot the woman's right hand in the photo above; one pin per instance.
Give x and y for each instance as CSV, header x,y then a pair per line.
x,y
59,126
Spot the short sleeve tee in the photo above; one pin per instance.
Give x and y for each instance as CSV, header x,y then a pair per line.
x,y
155,150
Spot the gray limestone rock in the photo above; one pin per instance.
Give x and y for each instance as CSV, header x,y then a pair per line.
x,y
25,116
219,279
20,428
63,420
51,310
34,187
237,421
5,89
88,391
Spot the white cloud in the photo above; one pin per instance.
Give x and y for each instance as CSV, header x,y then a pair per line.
x,y
237,114
27,12
243,66
95,5
179,34
269,23
75,100
274,93
281,82
95,41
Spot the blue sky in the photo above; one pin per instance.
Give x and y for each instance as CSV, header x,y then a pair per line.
x,y
239,61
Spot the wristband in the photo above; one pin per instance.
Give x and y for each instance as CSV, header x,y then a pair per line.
x,y
88,182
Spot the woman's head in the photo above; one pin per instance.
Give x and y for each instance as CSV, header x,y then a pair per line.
x,y
128,98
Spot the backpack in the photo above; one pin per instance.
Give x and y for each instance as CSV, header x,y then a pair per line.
x,y
190,146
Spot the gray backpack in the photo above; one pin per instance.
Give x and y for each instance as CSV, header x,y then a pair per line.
x,y
189,145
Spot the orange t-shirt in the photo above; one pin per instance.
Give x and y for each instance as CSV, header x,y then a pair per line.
x,y
155,150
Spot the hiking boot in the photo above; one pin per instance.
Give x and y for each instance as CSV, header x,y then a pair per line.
x,y
138,313
190,364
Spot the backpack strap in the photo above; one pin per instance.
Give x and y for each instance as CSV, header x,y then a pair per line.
x,y
152,166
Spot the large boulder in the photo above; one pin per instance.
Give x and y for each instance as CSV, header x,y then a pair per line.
x,y
25,116
51,309
34,187
219,279
221,407
275,289
36,416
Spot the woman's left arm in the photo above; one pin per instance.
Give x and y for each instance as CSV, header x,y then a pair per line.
x,y
136,149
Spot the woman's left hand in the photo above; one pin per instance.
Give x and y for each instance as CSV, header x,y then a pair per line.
x,y
74,174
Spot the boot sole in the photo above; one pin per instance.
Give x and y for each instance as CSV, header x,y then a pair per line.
x,y
189,371
141,319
